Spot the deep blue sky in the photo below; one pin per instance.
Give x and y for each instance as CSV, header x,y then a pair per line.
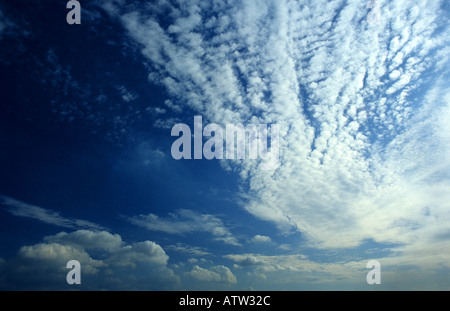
x,y
87,174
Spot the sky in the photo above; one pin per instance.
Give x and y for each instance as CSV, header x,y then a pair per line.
x,y
359,90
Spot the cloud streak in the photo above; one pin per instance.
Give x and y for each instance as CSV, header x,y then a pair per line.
x,y
186,221
22,209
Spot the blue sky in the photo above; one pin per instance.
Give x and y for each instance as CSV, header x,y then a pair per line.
x,y
360,93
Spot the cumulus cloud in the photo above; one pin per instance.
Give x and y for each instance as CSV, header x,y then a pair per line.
x,y
141,252
88,239
186,221
106,263
362,148
22,209
55,255
213,274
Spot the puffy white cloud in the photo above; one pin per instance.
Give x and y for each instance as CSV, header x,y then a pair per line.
x,y
141,252
106,263
88,239
54,256
213,274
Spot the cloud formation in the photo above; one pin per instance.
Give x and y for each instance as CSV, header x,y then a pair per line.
x,y
213,274
364,113
107,262
261,239
188,249
187,221
364,138
22,209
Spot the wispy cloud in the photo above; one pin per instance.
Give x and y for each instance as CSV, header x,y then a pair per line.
x,y
188,249
186,221
22,209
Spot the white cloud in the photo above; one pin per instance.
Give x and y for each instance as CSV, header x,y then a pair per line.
x,y
88,239
106,263
127,95
191,250
186,221
213,274
406,267
299,271
261,238
22,209
269,264
156,110
55,256
174,107
285,247
141,252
